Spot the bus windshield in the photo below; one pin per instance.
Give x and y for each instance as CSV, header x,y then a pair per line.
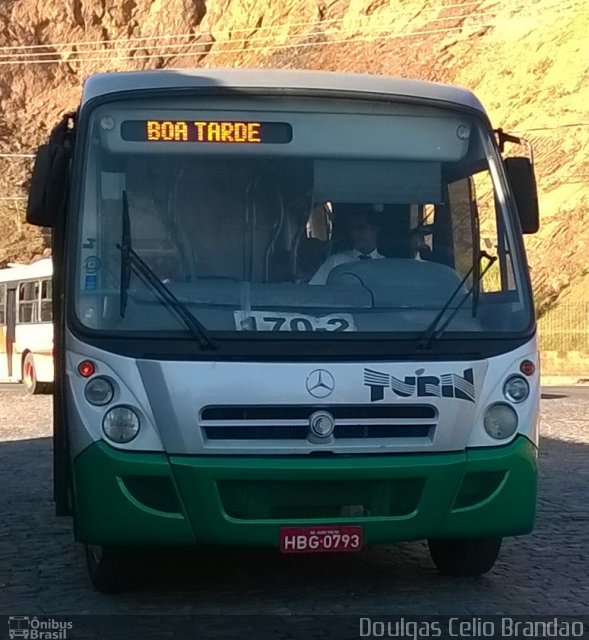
x,y
300,217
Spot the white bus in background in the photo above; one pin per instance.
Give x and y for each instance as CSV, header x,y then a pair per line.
x,y
26,328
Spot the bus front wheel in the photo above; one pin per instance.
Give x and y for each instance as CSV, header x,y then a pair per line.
x,y
108,568
464,557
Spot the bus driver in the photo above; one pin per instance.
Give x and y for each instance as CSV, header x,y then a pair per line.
x,y
362,230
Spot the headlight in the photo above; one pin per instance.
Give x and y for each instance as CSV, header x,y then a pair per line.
x,y
516,389
121,424
500,421
99,391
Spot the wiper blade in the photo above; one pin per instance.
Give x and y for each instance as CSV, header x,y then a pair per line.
x,y
131,261
125,248
432,333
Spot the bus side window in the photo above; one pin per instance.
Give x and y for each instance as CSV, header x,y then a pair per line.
x,y
46,298
2,304
28,302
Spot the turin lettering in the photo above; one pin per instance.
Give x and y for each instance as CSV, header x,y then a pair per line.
x,y
448,385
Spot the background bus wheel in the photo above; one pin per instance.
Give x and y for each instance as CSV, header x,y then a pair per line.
x,y
109,568
464,557
29,375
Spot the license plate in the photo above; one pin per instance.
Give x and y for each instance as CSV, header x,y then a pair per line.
x,y
320,539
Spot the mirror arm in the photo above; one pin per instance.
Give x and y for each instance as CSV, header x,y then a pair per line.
x,y
503,137
63,132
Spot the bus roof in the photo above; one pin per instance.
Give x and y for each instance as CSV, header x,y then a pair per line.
x,y
297,81
40,269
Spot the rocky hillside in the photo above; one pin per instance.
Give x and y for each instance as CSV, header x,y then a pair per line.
x,y
528,61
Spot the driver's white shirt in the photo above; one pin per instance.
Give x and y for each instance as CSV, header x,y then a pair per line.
x,y
336,259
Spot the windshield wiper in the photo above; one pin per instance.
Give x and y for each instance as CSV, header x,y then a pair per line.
x,y
433,332
125,248
131,261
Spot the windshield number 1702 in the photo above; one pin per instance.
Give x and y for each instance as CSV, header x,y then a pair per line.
x,y
293,322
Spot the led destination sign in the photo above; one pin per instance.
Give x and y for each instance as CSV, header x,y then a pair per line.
x,y
215,131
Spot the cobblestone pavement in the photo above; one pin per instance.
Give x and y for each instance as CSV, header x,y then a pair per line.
x,y
42,571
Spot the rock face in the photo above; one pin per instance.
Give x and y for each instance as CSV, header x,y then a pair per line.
x,y
527,61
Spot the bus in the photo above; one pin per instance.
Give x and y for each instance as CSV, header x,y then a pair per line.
x,y
234,367
26,329
19,627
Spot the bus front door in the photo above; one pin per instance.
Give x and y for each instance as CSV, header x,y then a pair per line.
x,y
10,328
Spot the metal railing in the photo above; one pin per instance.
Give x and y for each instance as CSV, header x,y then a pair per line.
x,y
566,328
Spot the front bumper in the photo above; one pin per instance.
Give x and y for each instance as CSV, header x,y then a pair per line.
x,y
123,498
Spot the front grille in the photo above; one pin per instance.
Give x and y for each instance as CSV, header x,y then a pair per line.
x,y
383,431
298,412
352,422
257,433
308,500
301,432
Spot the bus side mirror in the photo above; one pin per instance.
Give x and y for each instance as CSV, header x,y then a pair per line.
x,y
48,184
523,186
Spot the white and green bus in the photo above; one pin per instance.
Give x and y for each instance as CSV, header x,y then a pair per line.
x,y
234,368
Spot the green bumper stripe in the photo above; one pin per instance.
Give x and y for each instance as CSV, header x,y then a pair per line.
x,y
150,498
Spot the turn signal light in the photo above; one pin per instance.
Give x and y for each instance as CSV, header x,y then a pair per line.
x,y
527,367
86,368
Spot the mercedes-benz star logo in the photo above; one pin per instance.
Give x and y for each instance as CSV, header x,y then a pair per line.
x,y
320,383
